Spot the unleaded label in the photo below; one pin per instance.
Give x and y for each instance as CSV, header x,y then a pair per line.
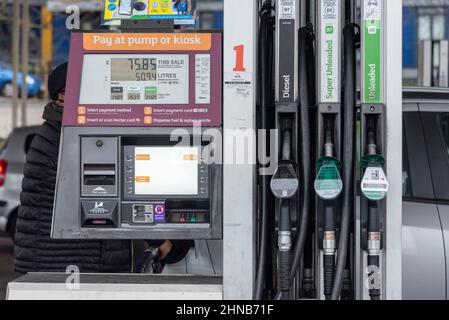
x,y
372,51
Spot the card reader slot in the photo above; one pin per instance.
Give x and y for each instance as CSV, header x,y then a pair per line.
x,y
99,175
98,180
93,169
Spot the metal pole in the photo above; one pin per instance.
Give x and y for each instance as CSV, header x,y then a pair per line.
x,y
393,99
239,180
25,58
15,59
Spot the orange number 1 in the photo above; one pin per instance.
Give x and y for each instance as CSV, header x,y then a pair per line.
x,y
239,50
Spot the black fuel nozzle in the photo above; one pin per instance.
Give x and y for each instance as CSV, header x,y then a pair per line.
x,y
284,183
152,258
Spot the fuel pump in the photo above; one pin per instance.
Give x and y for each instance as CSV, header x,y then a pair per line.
x,y
351,39
138,166
284,183
328,183
374,184
329,237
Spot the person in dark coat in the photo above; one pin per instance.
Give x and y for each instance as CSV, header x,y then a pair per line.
x,y
35,251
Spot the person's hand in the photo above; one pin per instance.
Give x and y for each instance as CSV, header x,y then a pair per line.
x,y
165,249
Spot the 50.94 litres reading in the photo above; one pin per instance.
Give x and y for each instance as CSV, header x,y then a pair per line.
x,y
133,69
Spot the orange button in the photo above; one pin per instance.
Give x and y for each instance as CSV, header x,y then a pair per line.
x,y
148,120
143,179
148,110
81,110
190,157
81,120
144,157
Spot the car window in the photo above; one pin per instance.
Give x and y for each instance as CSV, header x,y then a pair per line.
x,y
28,141
416,173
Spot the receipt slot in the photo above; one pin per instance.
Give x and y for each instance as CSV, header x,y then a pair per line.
x,y
138,150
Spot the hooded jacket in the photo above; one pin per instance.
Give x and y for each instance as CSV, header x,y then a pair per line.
x,y
35,251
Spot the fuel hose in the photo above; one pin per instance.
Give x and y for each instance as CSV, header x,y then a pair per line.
x,y
350,40
265,94
306,39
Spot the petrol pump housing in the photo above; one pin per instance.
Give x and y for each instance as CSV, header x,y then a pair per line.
x,y
137,157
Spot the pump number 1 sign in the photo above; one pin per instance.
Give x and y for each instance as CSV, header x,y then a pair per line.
x,y
372,51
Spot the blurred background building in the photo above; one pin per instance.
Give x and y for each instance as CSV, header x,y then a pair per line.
x,y
422,20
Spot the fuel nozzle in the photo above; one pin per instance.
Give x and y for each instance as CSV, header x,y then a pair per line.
x,y
284,186
374,184
374,187
284,183
328,184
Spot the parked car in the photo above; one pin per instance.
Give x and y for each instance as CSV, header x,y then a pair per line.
x,y
34,83
425,232
12,161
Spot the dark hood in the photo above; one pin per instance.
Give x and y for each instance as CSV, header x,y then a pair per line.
x,y
53,112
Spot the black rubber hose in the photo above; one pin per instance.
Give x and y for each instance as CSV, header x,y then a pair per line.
x,y
265,94
305,39
349,100
284,255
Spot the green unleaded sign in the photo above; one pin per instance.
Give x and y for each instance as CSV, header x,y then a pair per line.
x,y
329,55
372,51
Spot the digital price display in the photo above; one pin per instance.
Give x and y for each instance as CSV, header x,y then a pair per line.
x,y
138,79
134,69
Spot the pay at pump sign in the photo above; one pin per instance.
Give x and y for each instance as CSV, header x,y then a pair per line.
x,y
179,10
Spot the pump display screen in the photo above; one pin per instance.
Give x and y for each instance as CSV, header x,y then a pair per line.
x,y
134,69
166,170
127,79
